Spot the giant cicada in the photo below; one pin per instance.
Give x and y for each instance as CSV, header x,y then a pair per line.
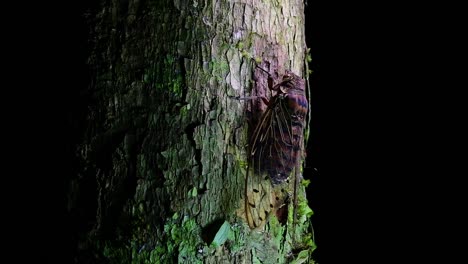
x,y
275,150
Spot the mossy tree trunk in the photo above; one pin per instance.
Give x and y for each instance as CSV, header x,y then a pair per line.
x,y
163,153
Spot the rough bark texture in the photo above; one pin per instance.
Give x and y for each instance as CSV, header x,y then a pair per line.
x,y
163,156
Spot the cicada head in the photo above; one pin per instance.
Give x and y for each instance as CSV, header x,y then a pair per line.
x,y
290,81
286,83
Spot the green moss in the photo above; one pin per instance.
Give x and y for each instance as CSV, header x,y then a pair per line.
x,y
219,69
193,192
277,230
174,85
184,110
242,163
169,60
302,257
308,241
245,54
183,238
303,211
255,259
305,183
165,77
180,240
306,134
116,254
308,55
177,85
146,78
141,208
236,238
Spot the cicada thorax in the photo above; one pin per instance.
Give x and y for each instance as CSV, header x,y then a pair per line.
x,y
275,148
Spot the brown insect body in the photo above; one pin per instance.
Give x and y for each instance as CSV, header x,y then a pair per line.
x,y
275,150
276,141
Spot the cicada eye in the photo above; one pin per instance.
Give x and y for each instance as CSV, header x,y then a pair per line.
x,y
288,77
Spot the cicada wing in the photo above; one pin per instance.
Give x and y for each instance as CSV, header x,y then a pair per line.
x,y
260,200
275,149
265,192
264,200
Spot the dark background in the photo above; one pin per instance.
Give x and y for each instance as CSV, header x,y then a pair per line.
x,y
383,115
359,139
377,134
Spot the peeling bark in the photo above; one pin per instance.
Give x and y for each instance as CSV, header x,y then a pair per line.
x,y
164,147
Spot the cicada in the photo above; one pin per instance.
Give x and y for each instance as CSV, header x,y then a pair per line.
x,y
276,148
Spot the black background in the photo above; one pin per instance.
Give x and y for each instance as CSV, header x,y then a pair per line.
x,y
383,111
379,116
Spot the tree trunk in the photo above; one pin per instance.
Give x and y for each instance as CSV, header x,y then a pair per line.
x,y
163,154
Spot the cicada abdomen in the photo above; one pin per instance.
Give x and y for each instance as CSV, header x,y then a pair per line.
x,y
275,149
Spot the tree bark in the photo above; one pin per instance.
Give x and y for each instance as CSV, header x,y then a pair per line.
x,y
163,155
